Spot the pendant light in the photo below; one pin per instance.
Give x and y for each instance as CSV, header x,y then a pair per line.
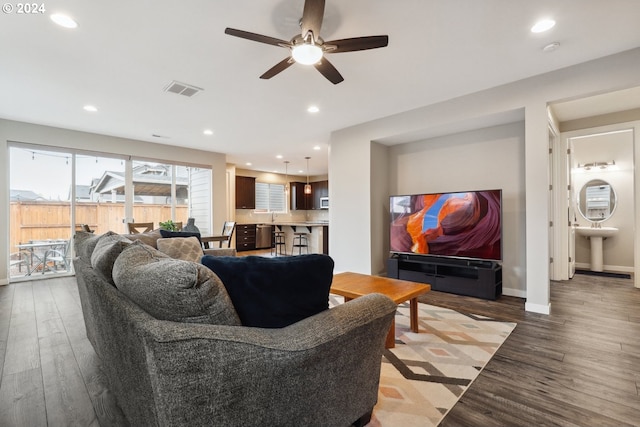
x,y
307,187
286,179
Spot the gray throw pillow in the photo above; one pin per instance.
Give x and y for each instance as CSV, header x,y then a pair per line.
x,y
84,243
108,248
171,289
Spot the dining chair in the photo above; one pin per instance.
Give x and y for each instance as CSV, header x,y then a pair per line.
x,y
19,259
227,231
58,256
140,227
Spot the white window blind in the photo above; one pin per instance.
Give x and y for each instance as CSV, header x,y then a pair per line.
x,y
270,197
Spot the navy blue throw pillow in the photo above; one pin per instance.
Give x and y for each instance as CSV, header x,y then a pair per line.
x,y
167,234
275,292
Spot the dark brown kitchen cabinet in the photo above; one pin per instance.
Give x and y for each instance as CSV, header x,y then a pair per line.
x,y
245,237
299,200
245,192
319,189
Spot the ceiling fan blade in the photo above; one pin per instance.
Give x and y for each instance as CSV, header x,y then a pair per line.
x,y
312,18
256,37
329,71
278,68
356,43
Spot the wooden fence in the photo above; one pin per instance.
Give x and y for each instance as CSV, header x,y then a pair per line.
x,y
52,220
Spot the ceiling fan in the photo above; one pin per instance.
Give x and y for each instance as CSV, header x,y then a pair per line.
x,y
308,48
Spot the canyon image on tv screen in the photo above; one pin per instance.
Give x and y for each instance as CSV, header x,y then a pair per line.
x,y
462,224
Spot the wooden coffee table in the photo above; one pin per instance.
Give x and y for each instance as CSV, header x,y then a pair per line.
x,y
354,285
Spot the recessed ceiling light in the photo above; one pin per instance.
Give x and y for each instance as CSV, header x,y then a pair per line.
x,y
279,156
90,108
317,148
543,25
208,132
313,109
248,164
64,20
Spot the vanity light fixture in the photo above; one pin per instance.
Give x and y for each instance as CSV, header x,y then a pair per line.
x,y
307,187
600,165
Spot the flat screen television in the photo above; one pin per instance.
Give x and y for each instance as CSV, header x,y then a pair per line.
x,y
462,225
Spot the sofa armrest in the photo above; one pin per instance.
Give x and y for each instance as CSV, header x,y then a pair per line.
x,y
220,251
323,370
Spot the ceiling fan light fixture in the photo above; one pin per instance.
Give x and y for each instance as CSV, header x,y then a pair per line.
x,y
306,53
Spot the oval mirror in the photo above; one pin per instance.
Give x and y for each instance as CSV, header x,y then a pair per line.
x,y
596,200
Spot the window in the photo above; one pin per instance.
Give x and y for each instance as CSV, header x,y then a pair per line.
x,y
270,197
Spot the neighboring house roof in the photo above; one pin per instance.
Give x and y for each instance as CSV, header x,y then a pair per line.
x,y
148,180
24,196
83,192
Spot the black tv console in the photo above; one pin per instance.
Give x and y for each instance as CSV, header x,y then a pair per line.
x,y
476,278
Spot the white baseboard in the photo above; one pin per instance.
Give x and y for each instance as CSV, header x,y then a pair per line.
x,y
510,292
538,308
616,268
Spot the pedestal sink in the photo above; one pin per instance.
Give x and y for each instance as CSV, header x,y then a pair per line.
x,y
596,235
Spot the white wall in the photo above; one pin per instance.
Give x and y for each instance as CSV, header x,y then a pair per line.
x,y
11,131
351,209
379,206
485,159
352,215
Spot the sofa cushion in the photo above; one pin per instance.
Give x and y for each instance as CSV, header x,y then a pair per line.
x,y
169,234
275,292
184,248
172,289
84,243
149,237
108,248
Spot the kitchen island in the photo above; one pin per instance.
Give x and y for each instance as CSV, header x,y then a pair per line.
x,y
318,235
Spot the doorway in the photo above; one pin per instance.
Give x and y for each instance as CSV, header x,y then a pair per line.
x,y
603,196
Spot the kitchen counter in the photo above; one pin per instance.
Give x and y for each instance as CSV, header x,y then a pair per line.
x,y
294,224
318,234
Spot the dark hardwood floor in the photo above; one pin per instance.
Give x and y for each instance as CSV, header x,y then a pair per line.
x,y
579,366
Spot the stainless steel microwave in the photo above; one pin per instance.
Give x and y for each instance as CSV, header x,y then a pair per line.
x,y
324,203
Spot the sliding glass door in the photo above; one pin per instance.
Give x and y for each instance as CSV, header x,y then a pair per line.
x,y
40,212
54,193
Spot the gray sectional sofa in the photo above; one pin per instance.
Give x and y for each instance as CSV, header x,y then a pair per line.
x,y
176,354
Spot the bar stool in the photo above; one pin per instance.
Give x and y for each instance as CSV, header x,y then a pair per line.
x,y
279,244
300,240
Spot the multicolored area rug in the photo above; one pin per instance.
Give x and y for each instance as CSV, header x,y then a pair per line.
x,y
427,372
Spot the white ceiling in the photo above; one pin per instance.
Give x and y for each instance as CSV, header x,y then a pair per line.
x,y
124,53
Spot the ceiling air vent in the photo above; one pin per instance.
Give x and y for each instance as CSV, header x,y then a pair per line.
x,y
182,89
